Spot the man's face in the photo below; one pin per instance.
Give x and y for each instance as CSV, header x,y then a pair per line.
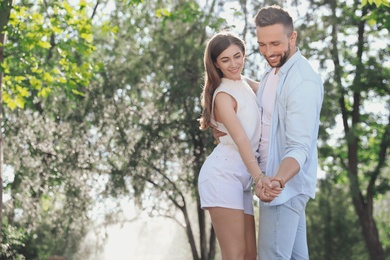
x,y
275,45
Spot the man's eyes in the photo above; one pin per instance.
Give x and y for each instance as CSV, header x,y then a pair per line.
x,y
273,44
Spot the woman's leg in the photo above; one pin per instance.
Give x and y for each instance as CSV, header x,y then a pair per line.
x,y
230,228
250,234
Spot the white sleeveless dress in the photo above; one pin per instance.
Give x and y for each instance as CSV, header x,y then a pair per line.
x,y
224,180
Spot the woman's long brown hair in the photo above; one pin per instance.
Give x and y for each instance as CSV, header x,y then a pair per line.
x,y
216,45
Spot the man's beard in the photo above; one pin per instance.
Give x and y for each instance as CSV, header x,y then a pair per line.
x,y
283,59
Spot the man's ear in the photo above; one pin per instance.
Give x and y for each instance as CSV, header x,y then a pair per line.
x,y
293,38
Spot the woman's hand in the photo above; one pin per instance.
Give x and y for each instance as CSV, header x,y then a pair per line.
x,y
267,189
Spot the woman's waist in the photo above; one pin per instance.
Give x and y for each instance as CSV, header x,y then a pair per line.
x,y
227,140
227,150
231,150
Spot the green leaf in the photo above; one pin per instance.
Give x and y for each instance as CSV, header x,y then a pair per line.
x,y
44,92
11,104
163,13
19,101
78,92
44,45
87,36
23,91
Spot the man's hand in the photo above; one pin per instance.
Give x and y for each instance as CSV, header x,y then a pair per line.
x,y
217,134
267,189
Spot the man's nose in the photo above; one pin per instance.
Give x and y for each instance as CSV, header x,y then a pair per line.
x,y
267,50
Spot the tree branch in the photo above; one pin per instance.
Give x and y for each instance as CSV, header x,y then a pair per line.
x,y
382,155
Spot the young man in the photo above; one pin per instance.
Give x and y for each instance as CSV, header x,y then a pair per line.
x,y
289,97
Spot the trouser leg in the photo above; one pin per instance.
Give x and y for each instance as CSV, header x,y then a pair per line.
x,y
282,230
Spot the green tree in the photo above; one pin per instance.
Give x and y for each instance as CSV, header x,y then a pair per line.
x,y
356,76
52,39
332,222
375,2
151,85
5,11
46,66
149,99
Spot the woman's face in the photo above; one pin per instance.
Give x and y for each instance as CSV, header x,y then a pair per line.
x,y
231,62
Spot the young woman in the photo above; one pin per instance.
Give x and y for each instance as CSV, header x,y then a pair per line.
x,y
225,180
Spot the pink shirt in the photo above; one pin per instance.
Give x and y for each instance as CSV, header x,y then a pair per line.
x,y
268,101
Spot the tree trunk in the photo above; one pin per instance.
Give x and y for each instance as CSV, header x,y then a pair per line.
x,y
202,231
363,205
190,234
364,208
212,242
370,233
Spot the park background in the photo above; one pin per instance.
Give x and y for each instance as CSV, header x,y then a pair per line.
x,y
100,139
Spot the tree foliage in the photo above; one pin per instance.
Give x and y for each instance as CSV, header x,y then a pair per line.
x,y
376,2
151,83
131,130
46,66
54,41
333,228
357,101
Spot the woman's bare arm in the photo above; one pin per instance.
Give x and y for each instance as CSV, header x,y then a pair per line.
x,y
225,112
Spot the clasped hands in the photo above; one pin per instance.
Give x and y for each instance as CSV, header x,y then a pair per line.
x,y
268,188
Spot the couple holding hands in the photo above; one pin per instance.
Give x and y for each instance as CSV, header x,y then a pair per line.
x,y
267,133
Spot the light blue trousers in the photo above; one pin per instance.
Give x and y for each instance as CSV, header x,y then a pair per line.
x,y
282,230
